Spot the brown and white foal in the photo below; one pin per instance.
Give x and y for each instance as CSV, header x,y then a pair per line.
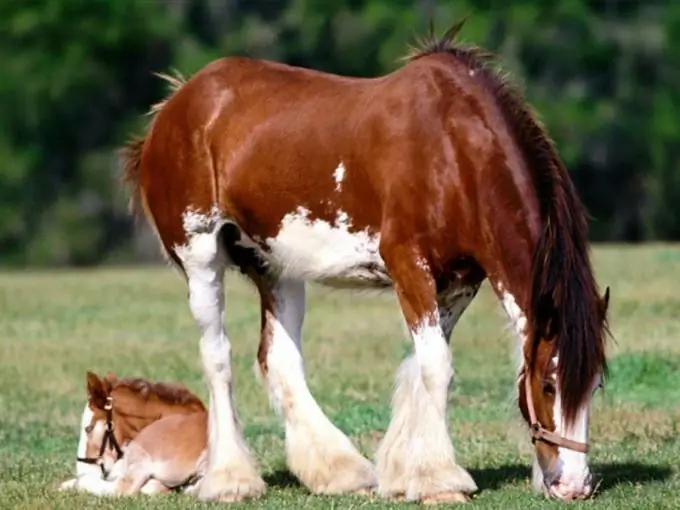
x,y
138,436
428,180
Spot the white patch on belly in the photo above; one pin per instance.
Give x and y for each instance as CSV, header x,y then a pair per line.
x,y
326,252
338,176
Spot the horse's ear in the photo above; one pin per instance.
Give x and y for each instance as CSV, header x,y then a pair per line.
x,y
604,302
96,390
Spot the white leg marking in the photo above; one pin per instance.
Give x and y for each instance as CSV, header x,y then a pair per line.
x,y
416,457
518,322
232,473
81,467
431,450
318,453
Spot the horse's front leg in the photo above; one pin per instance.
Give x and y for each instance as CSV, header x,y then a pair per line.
x,y
232,474
416,458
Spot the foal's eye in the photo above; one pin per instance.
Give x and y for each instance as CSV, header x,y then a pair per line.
x,y
89,428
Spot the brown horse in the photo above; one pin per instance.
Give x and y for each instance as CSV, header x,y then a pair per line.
x,y
428,180
138,436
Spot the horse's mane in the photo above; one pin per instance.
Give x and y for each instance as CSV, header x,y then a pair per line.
x,y
564,303
168,393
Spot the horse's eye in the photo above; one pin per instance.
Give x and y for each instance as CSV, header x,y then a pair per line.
x,y
89,428
549,388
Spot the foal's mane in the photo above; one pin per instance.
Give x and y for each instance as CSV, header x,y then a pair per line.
x,y
168,393
564,304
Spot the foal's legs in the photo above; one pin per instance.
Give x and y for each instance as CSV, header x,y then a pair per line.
x,y
416,458
231,473
318,453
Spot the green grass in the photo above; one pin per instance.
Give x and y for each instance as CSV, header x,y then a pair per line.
x,y
135,321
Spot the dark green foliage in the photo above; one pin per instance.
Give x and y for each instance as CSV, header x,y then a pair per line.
x,y
76,78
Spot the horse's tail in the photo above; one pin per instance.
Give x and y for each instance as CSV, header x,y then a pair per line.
x,y
131,154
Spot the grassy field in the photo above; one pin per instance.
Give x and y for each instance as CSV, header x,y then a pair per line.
x,y
56,325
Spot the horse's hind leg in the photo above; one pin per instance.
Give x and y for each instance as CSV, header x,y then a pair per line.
x,y
318,453
231,473
416,457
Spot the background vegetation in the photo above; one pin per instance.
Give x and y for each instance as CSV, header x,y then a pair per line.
x,y
76,78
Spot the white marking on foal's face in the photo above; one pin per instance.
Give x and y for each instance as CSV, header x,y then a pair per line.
x,y
320,250
338,176
81,467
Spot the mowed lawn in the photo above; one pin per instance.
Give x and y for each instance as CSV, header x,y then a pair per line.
x,y
135,321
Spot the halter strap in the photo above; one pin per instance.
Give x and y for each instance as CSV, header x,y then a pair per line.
x,y
538,432
109,439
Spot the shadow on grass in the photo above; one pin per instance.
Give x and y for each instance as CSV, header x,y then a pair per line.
x,y
611,475
281,479
493,478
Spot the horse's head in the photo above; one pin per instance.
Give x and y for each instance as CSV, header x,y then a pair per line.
x,y
560,432
101,434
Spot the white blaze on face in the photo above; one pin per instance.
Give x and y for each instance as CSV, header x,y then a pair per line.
x,y
338,176
81,467
574,471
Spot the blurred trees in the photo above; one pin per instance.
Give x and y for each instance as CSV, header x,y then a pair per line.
x,y
76,79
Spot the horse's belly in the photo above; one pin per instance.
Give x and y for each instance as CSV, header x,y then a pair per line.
x,y
325,252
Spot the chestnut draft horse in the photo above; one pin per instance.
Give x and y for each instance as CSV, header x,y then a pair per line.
x,y
139,436
428,180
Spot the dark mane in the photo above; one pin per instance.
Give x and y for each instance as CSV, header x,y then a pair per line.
x,y
564,303
168,393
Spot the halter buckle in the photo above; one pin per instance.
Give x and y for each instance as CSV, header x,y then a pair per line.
x,y
538,432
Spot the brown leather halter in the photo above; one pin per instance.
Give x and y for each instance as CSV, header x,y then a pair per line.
x,y
538,432
109,438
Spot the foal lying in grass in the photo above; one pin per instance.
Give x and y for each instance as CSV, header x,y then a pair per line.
x,y
139,436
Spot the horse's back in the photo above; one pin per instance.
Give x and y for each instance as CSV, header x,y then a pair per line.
x,y
305,163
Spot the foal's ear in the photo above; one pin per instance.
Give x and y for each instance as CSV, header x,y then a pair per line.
x,y
96,390
111,378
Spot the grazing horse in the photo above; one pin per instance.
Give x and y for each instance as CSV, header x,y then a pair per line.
x,y
138,436
427,180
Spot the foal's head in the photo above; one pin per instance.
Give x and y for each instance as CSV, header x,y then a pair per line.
x,y
101,437
561,441
117,410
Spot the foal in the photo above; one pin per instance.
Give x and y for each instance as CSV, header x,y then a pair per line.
x,y
428,180
147,437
